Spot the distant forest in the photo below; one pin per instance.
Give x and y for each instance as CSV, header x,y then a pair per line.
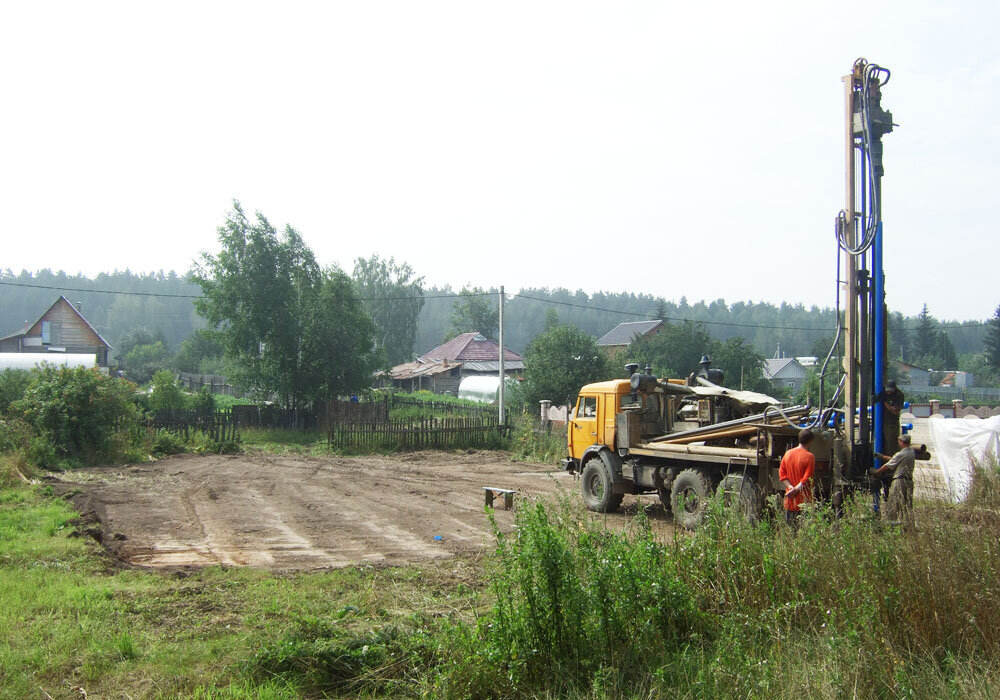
x,y
168,310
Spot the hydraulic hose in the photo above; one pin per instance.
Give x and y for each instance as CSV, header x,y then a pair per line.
x,y
872,74
782,413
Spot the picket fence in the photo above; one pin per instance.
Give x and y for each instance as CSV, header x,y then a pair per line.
x,y
436,433
219,426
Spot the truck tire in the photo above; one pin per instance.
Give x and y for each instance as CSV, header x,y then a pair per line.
x,y
664,493
689,497
664,483
739,491
596,487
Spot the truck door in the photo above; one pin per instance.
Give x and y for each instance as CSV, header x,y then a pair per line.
x,y
583,425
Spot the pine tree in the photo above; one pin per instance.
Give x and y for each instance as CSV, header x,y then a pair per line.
x,y
926,340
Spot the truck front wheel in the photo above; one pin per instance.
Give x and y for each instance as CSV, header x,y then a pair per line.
x,y
595,484
690,494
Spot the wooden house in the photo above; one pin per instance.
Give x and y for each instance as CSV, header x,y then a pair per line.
x,y
61,329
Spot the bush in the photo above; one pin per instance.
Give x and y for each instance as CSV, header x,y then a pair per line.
x,y
13,384
166,396
80,413
575,600
15,435
202,403
166,443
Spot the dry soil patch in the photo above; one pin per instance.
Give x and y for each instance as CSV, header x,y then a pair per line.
x,y
290,512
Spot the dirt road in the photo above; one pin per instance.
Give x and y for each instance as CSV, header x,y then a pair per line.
x,y
294,512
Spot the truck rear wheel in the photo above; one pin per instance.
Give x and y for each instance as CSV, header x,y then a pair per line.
x,y
739,491
689,497
595,485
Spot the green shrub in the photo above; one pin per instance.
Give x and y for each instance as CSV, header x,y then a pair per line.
x,y
166,396
15,435
202,403
574,600
81,413
13,384
204,444
166,443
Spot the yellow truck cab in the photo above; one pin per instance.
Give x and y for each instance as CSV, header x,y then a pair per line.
x,y
593,419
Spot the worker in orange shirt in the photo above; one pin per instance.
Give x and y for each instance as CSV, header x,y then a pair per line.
x,y
795,474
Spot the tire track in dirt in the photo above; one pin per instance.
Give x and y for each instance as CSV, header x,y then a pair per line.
x,y
291,513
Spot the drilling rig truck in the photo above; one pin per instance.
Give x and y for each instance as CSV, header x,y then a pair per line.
x,y
686,439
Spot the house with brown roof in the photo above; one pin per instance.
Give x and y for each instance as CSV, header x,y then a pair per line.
x,y
61,329
442,369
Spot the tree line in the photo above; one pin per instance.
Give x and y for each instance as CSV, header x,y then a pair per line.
x,y
266,314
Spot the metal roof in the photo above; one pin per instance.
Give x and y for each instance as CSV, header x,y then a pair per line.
x,y
474,366
419,368
469,346
775,365
624,333
19,333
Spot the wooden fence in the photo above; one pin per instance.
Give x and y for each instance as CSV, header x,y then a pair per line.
x,y
269,416
219,426
442,406
438,433
217,384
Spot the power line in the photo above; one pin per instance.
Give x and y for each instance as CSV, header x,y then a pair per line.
x,y
459,295
652,316
100,291
673,318
202,296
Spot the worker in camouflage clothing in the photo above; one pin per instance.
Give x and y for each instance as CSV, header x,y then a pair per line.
x,y
899,508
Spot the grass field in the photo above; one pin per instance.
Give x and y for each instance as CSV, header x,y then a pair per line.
x,y
70,618
562,608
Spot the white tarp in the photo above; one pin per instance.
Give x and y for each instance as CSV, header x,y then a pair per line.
x,y
30,360
483,388
957,441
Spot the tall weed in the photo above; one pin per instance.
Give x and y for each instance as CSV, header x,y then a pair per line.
x,y
734,610
530,442
838,607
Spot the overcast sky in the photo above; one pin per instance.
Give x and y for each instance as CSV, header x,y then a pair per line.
x,y
675,149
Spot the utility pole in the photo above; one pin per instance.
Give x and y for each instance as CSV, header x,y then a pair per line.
x,y
503,375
